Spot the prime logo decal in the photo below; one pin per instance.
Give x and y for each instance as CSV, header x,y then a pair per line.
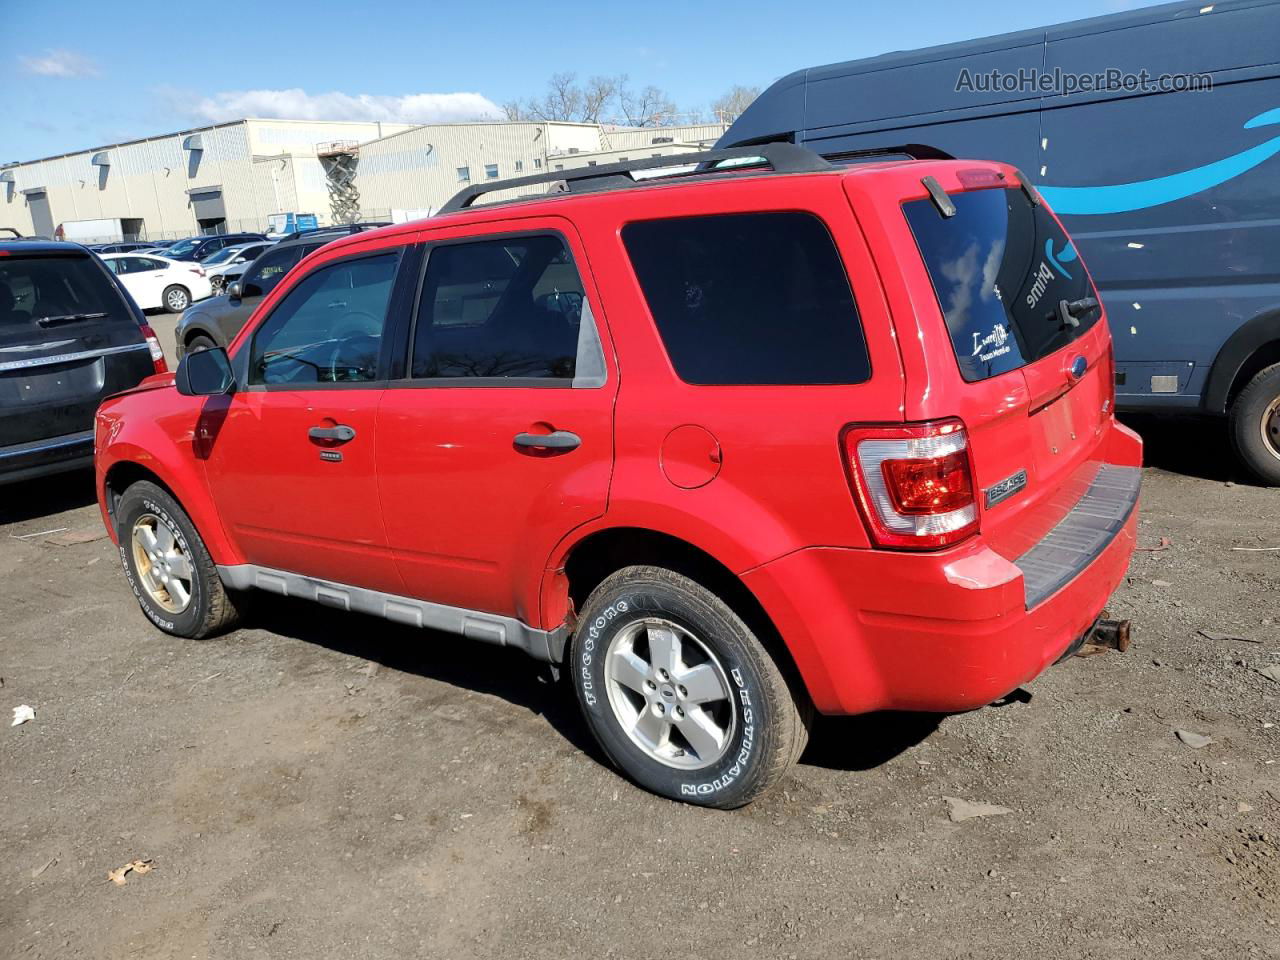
x,y
1125,197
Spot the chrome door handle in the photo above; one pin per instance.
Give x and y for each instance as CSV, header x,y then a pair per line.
x,y
341,433
560,440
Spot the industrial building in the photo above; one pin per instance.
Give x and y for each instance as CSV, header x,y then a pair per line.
x,y
235,176
224,177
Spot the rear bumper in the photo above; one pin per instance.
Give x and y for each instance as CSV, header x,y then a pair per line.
x,y
946,631
39,458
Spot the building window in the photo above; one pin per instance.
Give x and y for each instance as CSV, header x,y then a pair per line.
x,y
623,159
491,171
537,163
591,163
464,174
559,166
519,165
573,149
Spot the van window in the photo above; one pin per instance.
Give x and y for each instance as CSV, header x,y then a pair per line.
x,y
749,298
1000,267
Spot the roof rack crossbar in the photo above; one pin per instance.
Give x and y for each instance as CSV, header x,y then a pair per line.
x,y
781,157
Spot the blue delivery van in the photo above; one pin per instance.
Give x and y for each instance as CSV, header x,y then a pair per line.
x,y
1154,133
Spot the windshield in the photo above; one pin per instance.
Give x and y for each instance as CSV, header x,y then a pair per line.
x,y
182,246
222,256
1004,273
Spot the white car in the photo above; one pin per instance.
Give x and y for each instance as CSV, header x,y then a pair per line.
x,y
229,263
159,283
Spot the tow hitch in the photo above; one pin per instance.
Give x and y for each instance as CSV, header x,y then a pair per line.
x,y
1105,634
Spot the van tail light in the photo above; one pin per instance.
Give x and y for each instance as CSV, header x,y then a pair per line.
x,y
1110,370
153,344
914,483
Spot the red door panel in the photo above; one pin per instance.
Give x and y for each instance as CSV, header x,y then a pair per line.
x,y
288,508
472,514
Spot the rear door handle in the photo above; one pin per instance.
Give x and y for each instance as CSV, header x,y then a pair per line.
x,y
341,433
560,440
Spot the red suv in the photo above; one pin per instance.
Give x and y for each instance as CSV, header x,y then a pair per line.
x,y
731,445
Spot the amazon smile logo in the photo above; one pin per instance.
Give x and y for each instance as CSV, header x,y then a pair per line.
x,y
1141,194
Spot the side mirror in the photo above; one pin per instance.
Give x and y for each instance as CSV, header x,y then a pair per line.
x,y
234,290
205,373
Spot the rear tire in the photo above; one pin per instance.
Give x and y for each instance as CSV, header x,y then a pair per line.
x,y
1255,425
168,567
176,298
679,692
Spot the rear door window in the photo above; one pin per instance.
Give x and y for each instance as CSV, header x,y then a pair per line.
x,y
750,298
505,310
1000,269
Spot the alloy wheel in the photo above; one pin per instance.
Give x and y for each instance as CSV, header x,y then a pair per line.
x,y
1271,428
163,566
670,694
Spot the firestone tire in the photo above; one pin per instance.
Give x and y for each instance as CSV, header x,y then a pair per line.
x,y
168,567
679,692
1255,425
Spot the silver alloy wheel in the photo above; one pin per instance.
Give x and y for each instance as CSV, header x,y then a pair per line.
x,y
177,300
670,694
163,567
1271,428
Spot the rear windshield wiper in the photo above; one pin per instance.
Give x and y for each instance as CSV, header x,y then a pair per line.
x,y
69,318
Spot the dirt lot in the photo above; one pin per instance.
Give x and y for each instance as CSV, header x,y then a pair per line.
x,y
323,785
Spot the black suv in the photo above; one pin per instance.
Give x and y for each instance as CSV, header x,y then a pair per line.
x,y
214,322
69,336
195,249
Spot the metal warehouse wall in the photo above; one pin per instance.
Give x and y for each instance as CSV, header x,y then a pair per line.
x,y
419,169
261,166
703,134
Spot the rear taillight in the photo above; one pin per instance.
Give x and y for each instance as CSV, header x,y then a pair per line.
x,y
914,483
153,344
198,271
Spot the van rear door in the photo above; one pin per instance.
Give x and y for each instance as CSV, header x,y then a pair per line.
x,y
68,338
1030,371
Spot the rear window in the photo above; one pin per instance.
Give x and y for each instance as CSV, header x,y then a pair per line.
x,y
1000,268
750,298
41,297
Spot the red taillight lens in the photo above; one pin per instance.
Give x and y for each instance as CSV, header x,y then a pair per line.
x,y
922,487
914,483
157,354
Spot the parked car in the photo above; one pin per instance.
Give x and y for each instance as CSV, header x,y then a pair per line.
x,y
1171,192
196,249
229,264
128,246
863,456
157,283
69,336
215,322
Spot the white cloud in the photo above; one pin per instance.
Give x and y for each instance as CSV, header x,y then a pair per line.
x,y
59,63
297,104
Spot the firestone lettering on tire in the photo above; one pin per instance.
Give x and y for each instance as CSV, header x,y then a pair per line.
x,y
744,751
609,614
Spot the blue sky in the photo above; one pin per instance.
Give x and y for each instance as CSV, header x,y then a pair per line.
x,y
81,74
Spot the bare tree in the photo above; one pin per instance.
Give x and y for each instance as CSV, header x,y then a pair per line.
x,y
597,95
514,111
651,107
730,106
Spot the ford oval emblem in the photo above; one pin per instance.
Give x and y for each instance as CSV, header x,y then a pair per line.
x,y
1079,367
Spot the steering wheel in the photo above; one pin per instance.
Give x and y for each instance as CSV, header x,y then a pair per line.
x,y
353,325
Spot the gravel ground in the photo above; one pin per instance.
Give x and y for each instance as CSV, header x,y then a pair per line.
x,y
327,785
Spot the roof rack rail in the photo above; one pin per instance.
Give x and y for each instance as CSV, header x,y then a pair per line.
x,y
781,157
916,151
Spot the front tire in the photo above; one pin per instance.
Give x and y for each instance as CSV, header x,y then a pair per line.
x,y
168,567
176,298
200,342
680,693
1255,425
